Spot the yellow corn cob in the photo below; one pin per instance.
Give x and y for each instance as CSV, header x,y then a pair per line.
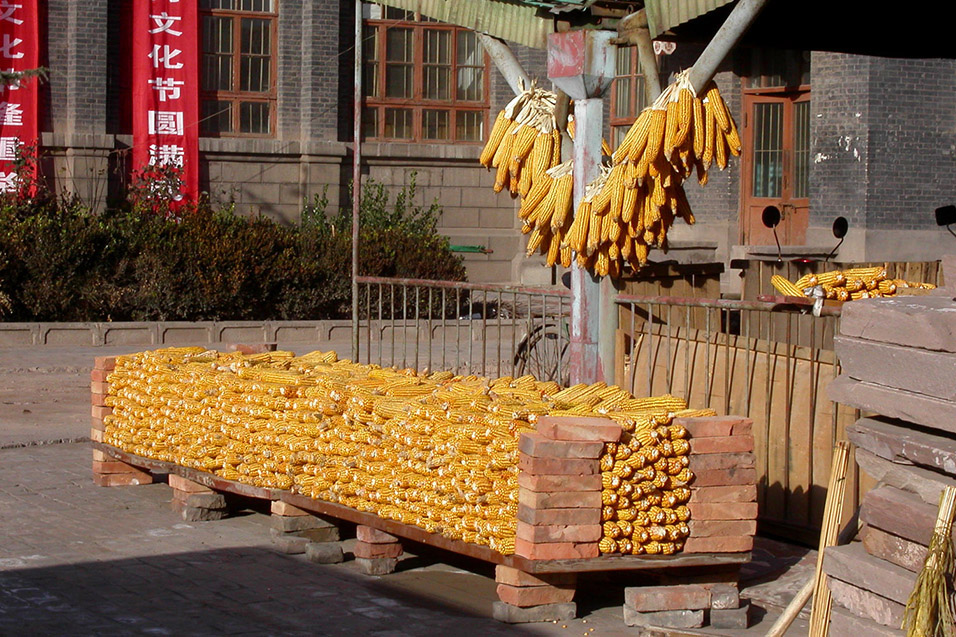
x,y
685,114
498,131
784,286
716,104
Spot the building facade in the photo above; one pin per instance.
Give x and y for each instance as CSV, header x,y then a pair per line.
x,y
825,134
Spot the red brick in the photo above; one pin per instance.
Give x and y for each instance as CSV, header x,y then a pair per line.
x,y
372,535
726,544
722,444
96,424
107,363
99,375
558,516
99,411
710,426
534,444
650,599
744,428
714,528
722,510
555,550
183,484
556,484
525,596
113,466
724,477
559,532
579,428
99,387
733,493
514,577
278,507
557,466
96,435
98,400
377,551
710,461
101,456
121,479
565,500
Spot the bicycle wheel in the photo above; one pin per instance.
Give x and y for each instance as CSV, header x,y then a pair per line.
x,y
544,355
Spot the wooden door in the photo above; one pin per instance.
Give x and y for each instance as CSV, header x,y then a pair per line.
x,y
775,167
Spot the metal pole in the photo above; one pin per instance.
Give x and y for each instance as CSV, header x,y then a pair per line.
x,y
508,65
723,41
356,174
585,360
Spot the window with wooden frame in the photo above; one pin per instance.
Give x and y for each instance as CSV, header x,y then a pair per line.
x,y
424,81
628,97
238,68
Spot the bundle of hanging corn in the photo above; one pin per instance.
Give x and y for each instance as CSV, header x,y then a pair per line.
x,y
525,149
524,142
642,193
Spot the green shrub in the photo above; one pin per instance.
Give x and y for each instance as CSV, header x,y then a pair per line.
x,y
58,262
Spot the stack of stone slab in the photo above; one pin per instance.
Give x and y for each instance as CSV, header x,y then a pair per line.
x,y
899,361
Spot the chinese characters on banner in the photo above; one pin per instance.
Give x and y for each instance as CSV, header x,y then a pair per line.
x,y
166,89
19,51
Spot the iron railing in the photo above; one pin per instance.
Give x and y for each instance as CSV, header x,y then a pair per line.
x,y
467,328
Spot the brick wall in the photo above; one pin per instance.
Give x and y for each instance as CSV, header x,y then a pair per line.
x,y
912,142
839,142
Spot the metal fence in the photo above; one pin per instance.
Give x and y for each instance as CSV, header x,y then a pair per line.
x,y
463,327
765,361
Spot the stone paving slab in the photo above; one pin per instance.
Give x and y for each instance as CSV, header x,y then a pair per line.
x,y
77,559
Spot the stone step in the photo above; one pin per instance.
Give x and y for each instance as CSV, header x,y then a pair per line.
x,y
900,513
900,442
909,406
926,484
844,623
915,370
893,548
926,322
852,564
866,604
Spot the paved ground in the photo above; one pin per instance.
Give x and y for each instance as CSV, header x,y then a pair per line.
x,y
76,559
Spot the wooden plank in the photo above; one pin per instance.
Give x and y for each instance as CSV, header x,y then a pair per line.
x,y
601,563
201,477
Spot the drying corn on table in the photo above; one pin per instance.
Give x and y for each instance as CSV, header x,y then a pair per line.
x,y
542,480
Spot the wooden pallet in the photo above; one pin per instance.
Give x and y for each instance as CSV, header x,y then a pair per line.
x,y
416,534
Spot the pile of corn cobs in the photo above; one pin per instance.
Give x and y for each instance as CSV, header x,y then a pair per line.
x,y
438,451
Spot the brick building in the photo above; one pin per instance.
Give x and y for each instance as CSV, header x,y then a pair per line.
x,y
825,134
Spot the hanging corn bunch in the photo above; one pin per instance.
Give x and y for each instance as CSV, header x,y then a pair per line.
x,y
847,285
641,194
546,214
524,142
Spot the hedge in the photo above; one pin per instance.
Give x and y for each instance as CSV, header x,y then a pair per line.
x,y
61,262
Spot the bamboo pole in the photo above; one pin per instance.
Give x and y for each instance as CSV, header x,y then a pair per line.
x,y
832,512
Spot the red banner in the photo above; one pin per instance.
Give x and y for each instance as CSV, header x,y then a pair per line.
x,y
165,37
19,120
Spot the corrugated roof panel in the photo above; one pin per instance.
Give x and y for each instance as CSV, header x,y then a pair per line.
x,y
663,15
520,23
